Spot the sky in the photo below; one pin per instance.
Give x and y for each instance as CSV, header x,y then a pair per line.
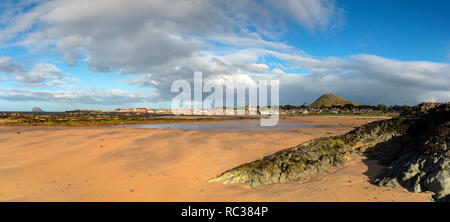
x,y
105,54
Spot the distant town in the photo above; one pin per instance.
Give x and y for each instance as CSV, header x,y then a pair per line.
x,y
326,104
283,110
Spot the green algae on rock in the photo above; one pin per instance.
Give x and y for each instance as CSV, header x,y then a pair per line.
x,y
292,164
419,135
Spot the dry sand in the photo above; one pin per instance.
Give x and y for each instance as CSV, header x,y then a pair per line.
x,y
117,164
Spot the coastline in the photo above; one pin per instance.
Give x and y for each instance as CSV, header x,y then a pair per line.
x,y
125,164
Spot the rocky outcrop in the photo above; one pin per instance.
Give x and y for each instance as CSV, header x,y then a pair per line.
x,y
36,109
414,146
419,160
294,164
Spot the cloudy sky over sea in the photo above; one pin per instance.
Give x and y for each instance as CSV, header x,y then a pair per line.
x,y
106,54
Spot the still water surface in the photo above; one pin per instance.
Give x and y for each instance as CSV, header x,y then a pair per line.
x,y
221,125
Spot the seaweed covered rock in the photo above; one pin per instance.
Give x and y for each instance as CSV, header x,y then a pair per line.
x,y
314,156
414,146
292,164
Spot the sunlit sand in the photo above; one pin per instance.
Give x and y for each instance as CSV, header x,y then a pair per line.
x,y
126,164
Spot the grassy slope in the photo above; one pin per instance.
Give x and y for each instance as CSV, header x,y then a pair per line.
x,y
329,100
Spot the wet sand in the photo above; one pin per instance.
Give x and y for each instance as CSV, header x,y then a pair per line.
x,y
124,164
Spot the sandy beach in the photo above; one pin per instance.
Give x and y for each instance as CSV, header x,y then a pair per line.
x,y
126,164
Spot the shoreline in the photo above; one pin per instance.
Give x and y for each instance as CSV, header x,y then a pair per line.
x,y
117,164
193,119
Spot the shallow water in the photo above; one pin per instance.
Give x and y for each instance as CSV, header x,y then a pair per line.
x,y
221,125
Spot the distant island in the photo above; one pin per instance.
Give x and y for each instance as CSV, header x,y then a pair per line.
x,y
36,109
327,104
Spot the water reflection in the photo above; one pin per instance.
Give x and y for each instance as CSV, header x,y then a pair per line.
x,y
221,125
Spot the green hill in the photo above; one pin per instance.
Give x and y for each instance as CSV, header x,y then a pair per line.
x,y
328,100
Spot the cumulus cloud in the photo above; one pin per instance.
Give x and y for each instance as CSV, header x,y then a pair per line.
x,y
40,75
136,35
370,79
363,78
43,75
7,65
161,41
87,96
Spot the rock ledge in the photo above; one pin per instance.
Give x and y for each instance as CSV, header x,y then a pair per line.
x,y
413,146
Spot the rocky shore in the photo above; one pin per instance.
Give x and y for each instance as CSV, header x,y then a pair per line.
x,y
413,147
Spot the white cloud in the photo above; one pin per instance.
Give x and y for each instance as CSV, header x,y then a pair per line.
x,y
161,41
253,67
364,78
312,15
370,79
8,66
40,75
243,80
43,75
86,96
278,71
133,36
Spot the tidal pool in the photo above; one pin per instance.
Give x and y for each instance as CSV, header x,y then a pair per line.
x,y
221,125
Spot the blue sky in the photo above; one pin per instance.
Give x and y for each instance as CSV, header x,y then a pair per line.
x,y
407,30
62,55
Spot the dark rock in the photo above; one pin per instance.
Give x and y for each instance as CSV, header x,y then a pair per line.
x,y
36,109
293,164
419,159
413,147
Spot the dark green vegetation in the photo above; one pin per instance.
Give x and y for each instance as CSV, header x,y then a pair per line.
x,y
413,146
346,114
329,100
381,108
330,104
90,119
